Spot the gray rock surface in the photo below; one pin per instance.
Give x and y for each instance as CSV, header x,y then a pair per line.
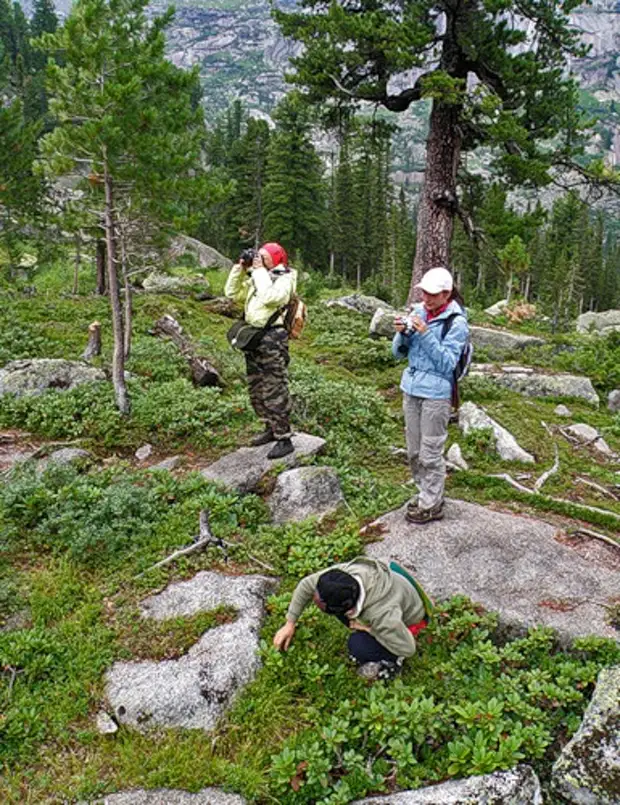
x,y
535,384
562,410
358,303
589,435
64,457
305,492
471,417
497,309
511,564
455,457
143,452
497,342
105,724
170,463
602,323
195,690
207,256
169,796
28,378
501,341
519,786
588,769
67,455
382,322
167,283
613,401
244,469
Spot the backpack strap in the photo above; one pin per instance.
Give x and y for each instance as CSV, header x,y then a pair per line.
x,y
447,324
426,601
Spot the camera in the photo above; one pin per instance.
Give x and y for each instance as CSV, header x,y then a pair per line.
x,y
247,257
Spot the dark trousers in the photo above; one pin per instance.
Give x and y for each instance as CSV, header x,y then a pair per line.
x,y
267,371
363,647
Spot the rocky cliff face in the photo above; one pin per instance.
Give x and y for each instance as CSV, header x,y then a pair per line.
x,y
241,54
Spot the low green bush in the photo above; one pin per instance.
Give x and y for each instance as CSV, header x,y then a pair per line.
x,y
465,705
171,412
113,516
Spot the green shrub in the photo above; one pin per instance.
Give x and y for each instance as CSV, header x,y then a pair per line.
x,y
171,412
464,706
111,517
339,408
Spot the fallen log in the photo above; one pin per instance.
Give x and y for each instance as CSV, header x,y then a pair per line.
x,y
203,371
224,307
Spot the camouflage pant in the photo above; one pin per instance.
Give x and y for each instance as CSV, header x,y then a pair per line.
x,y
267,369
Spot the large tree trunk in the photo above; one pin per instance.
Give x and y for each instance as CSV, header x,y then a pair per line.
x,y
118,358
101,264
438,199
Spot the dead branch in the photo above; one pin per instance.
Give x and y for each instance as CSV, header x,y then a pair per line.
x,y
598,488
93,347
205,539
552,471
203,371
510,480
587,532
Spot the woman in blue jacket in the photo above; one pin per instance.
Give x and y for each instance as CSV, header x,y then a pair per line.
x,y
427,384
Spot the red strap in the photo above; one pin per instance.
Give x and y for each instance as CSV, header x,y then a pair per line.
x,y
416,628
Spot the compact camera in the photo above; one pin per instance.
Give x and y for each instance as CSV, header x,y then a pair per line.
x,y
247,257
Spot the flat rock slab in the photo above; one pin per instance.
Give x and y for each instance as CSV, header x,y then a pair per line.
x,y
358,303
243,470
305,492
588,770
519,786
535,384
195,690
502,341
510,564
28,378
472,417
169,796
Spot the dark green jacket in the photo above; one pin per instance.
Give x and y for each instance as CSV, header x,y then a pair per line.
x,y
391,603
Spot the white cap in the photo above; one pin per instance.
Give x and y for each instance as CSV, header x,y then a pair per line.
x,y
436,280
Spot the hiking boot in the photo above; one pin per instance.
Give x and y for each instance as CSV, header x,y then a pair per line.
x,y
413,505
281,448
421,516
384,669
263,438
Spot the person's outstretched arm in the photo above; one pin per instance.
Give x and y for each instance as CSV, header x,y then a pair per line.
x,y
300,600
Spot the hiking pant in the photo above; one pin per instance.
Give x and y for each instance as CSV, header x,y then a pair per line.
x,y
363,647
267,371
426,429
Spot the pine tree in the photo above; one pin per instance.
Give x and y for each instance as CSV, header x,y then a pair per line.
x,y
294,191
522,96
126,115
249,172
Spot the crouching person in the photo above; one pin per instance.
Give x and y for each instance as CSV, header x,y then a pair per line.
x,y
382,606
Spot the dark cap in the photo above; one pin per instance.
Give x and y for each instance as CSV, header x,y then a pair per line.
x,y
338,591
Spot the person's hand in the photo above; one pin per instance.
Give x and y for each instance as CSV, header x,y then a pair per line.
x,y
418,324
283,636
399,324
257,262
358,626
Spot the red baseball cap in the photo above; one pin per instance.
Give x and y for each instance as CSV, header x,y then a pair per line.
x,y
278,254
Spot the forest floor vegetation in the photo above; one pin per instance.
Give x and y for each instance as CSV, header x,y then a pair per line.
x,y
307,730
